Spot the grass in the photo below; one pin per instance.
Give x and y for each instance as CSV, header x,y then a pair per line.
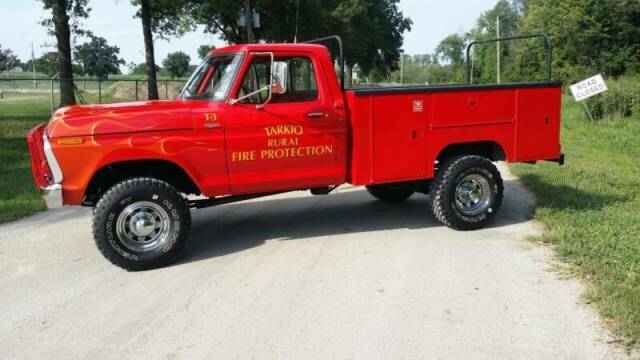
x,y
18,194
592,209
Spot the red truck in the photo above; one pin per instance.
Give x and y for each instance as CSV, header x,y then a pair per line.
x,y
260,119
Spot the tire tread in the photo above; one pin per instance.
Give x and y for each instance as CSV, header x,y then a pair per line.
x,y
444,179
100,211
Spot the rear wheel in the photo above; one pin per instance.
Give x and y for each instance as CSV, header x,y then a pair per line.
x,y
141,223
466,193
391,192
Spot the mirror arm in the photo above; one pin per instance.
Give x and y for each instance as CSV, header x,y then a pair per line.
x,y
269,87
234,101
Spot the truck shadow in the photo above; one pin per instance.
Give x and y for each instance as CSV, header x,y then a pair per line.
x,y
563,197
232,228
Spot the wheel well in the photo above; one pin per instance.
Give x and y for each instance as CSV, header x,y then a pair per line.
x,y
112,174
488,149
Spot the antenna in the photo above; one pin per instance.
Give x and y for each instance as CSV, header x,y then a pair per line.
x,y
295,35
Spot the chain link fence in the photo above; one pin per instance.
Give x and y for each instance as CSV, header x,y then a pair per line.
x,y
87,91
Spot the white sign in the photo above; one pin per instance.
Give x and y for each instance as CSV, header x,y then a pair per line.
x,y
588,88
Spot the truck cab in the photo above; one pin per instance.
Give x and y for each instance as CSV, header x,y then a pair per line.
x,y
290,138
255,120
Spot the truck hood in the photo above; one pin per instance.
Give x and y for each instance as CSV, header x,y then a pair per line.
x,y
117,118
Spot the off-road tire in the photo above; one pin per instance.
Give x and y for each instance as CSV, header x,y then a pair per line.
x,y
148,190
391,192
442,196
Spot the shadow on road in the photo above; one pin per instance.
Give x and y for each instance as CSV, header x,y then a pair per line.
x,y
563,197
236,227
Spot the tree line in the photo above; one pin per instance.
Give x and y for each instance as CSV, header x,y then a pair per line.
x,y
372,31
589,37
97,58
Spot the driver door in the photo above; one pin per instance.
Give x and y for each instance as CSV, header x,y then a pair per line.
x,y
294,140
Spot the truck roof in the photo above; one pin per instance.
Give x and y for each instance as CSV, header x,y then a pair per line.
x,y
269,47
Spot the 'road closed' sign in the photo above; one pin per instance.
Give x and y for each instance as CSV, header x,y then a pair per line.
x,y
588,88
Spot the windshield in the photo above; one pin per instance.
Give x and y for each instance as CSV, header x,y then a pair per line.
x,y
212,80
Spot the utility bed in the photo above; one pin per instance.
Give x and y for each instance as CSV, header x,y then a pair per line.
x,y
403,130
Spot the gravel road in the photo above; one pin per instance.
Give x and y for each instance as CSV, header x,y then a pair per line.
x,y
298,277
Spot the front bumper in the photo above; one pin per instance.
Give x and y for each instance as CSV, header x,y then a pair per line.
x,y
52,196
45,168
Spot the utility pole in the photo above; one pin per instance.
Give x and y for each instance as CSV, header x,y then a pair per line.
x,y
33,67
248,20
498,49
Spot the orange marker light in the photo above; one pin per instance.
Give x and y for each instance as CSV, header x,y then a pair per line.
x,y
70,141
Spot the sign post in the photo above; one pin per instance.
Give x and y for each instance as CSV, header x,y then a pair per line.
x,y
587,88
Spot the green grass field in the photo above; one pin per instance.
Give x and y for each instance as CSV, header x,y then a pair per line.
x,y
18,195
592,209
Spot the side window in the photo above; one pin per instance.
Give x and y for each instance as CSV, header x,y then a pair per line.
x,y
302,84
257,77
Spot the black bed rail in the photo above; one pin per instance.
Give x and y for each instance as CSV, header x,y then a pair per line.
x,y
338,40
545,36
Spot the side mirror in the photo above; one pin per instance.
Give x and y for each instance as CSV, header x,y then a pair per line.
x,y
278,84
279,77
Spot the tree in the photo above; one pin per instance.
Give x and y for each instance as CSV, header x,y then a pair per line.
x,y
98,58
203,50
47,63
510,13
8,60
451,50
372,30
61,10
140,69
177,64
163,18
589,36
219,17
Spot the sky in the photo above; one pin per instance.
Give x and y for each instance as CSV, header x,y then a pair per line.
x,y
114,20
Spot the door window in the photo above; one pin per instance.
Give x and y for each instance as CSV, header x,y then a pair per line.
x,y
302,84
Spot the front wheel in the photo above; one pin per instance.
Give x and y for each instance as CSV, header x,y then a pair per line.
x,y
141,223
467,192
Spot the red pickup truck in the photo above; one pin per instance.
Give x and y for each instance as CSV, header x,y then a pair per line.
x,y
255,120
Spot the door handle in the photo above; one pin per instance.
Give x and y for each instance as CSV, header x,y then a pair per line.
x,y
315,115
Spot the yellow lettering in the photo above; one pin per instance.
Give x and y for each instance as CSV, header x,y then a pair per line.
x,y
284,130
243,156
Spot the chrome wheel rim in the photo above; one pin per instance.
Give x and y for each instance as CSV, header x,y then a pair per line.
x,y
473,194
143,226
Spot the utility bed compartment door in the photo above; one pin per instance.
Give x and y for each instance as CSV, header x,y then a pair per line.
x,y
399,141
538,131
